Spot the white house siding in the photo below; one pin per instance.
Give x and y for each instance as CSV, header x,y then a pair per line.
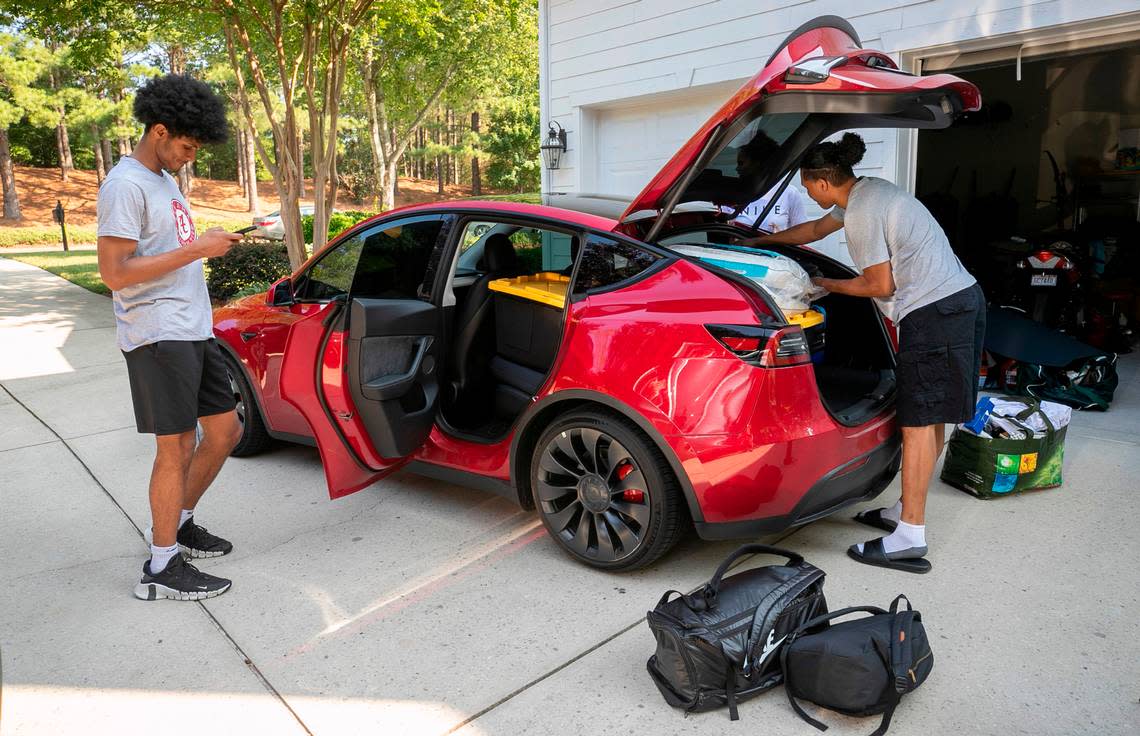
x,y
630,80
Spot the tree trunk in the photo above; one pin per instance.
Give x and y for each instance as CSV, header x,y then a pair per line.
x,y
108,158
301,162
397,157
379,158
388,194
239,154
453,134
100,165
438,159
253,198
8,179
476,183
185,180
124,147
64,144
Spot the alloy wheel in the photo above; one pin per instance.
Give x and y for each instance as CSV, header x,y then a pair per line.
x,y
593,494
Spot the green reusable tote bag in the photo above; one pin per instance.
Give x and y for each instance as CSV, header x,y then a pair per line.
x,y
991,468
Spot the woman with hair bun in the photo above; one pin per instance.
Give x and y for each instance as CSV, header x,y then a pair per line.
x,y
909,269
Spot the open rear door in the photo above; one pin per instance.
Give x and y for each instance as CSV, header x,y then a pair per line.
x,y
363,374
818,82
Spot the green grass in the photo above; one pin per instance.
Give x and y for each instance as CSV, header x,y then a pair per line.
x,y
48,235
78,266
524,198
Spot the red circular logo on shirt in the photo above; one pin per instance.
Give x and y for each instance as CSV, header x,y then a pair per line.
x,y
182,223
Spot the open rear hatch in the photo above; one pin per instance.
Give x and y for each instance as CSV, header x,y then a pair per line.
x,y
818,82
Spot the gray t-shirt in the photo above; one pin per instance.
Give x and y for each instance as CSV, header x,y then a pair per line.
x,y
138,204
884,223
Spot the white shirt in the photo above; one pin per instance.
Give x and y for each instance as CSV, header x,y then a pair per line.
x,y
788,212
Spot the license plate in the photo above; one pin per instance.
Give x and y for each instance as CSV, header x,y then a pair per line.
x,y
1043,279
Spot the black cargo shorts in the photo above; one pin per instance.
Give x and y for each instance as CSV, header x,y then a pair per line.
x,y
940,352
173,382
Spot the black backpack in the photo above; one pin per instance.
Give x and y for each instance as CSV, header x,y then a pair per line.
x,y
861,667
721,644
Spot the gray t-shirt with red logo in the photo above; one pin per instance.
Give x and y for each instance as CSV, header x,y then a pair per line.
x,y
138,204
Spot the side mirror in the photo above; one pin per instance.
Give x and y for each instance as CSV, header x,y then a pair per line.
x,y
280,294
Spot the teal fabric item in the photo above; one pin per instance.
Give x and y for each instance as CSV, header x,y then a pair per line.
x,y
750,270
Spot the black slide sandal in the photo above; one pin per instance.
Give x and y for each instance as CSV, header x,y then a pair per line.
x,y
874,517
873,554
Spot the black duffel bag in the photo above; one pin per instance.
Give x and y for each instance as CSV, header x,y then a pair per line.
x,y
721,644
861,667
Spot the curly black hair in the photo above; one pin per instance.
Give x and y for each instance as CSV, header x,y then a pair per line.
x,y
834,161
185,106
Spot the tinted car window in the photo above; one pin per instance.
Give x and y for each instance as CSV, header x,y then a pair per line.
x,y
331,276
606,262
394,260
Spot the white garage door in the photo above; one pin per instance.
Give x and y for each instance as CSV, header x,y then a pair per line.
x,y
635,141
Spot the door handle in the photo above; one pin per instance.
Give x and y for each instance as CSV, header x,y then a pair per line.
x,y
247,336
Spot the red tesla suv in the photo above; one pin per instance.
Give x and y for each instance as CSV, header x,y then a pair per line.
x,y
579,363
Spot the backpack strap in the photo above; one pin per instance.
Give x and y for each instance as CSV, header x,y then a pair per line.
x,y
730,692
792,698
902,647
897,657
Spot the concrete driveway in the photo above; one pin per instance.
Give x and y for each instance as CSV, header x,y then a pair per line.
x,y
418,607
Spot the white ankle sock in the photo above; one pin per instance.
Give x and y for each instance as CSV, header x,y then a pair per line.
x,y
894,513
187,515
160,557
905,536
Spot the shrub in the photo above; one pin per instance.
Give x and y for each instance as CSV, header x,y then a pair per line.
x,y
338,223
246,266
259,287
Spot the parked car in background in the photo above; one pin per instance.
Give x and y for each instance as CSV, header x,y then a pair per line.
x,y
581,364
270,226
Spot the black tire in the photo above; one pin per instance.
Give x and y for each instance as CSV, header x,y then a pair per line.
x,y
254,436
585,474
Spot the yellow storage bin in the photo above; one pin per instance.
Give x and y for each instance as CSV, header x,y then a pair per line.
x,y
805,319
814,323
544,288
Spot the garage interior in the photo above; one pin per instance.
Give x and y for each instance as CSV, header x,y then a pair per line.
x,y
1048,167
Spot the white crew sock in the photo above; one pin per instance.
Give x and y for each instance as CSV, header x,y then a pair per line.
x,y
187,515
160,557
905,536
894,513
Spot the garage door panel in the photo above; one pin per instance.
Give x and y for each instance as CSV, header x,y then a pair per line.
x,y
635,141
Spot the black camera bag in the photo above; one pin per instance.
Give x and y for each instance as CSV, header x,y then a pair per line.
x,y
721,643
861,667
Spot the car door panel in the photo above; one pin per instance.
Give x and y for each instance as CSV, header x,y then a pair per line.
x,y
393,352
362,368
313,381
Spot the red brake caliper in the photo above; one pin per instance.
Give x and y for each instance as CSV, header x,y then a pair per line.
x,y
629,495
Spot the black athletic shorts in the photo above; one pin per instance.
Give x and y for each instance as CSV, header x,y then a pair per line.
x,y
173,382
940,352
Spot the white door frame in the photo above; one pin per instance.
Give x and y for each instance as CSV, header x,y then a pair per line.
x,y
1034,43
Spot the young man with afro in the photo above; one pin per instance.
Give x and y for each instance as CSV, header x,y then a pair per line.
x,y
150,256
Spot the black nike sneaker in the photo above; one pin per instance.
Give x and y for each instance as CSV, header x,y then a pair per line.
x,y
195,541
180,581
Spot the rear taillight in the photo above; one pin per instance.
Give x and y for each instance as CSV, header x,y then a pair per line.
x,y
764,347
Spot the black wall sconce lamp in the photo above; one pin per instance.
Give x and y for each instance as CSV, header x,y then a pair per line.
x,y
554,146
